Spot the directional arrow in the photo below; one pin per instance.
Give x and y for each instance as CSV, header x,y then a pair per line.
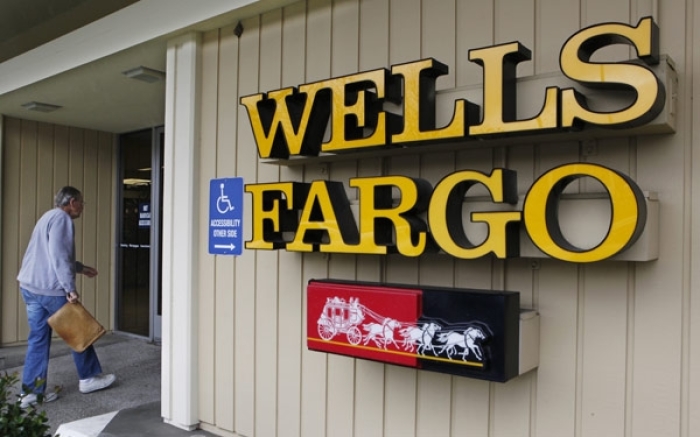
x,y
225,246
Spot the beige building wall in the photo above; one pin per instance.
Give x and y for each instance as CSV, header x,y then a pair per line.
x,y
38,159
620,341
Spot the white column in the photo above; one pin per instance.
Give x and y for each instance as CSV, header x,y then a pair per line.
x,y
179,351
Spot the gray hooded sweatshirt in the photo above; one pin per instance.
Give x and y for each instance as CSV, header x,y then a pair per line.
x,y
49,265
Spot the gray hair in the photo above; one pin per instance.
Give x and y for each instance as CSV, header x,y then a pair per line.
x,y
64,196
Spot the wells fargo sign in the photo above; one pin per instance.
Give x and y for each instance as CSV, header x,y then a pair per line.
x,y
316,216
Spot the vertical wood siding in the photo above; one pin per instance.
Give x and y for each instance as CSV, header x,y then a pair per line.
x,y
39,159
620,341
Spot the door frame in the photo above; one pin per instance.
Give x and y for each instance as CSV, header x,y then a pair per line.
x,y
155,237
155,320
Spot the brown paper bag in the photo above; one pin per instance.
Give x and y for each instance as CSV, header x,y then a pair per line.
x,y
76,326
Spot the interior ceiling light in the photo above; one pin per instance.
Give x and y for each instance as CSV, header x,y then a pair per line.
x,y
40,107
136,181
144,74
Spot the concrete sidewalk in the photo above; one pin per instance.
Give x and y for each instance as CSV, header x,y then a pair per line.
x,y
131,407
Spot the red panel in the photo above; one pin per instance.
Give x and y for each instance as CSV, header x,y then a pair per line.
x,y
363,321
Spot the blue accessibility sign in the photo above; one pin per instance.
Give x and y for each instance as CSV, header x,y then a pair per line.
x,y
226,216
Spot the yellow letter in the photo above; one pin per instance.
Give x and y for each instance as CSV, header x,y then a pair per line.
x,y
541,217
326,221
575,57
376,212
349,119
268,221
445,215
287,122
419,105
500,94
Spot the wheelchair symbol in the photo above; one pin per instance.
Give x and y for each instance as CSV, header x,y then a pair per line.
x,y
223,204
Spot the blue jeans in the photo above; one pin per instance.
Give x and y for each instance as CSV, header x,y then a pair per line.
x,y
36,364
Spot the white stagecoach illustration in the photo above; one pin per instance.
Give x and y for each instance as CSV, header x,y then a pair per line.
x,y
341,317
346,317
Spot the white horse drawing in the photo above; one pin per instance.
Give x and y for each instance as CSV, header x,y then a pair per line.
x,y
466,340
450,340
382,334
471,335
419,336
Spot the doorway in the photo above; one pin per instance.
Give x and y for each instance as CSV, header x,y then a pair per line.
x,y
139,293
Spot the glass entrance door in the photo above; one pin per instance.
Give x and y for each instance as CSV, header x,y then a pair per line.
x,y
138,284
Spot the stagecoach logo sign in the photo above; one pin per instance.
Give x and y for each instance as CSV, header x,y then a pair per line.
x,y
475,335
339,317
316,216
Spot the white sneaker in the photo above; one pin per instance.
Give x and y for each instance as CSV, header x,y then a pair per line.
x,y
30,399
95,383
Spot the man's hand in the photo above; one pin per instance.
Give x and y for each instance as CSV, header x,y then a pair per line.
x,y
73,297
88,271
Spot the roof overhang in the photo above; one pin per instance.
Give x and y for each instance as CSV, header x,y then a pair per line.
x,y
82,71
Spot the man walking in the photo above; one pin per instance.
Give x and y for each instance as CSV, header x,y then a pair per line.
x,y
47,281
